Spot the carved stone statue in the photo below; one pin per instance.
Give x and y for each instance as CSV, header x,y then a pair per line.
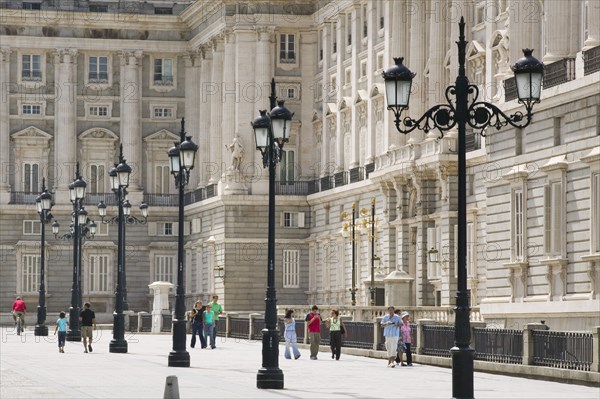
x,y
237,153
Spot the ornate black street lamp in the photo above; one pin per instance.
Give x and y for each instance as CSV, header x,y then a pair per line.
x,y
458,113
119,179
81,228
182,156
43,203
271,133
349,230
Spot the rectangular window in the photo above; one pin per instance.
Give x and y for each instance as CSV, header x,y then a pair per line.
x,y
30,273
98,273
32,67
163,112
291,268
595,221
434,242
349,29
287,48
163,11
163,268
320,45
334,38
365,20
31,109
163,72
30,177
31,227
518,225
98,8
291,93
292,219
98,69
363,69
96,182
286,167
162,179
553,219
98,111
32,6
165,229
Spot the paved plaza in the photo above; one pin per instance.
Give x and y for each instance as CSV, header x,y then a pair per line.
x,y
32,367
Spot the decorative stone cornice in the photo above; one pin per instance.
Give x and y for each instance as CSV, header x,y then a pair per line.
x,y
65,55
131,57
5,54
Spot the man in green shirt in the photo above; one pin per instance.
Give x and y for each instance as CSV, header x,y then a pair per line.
x,y
218,309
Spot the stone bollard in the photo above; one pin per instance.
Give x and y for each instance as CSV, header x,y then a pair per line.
x,y
160,305
596,349
377,333
528,341
171,388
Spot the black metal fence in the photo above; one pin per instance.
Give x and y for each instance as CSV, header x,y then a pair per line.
x,y
591,60
438,340
161,199
566,350
358,335
239,327
257,327
498,345
559,72
413,337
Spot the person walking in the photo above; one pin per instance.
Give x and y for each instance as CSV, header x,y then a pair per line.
x,y
87,317
197,317
314,331
218,309
209,324
335,324
61,327
391,332
290,335
405,331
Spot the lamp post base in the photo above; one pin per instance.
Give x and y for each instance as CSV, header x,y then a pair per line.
x,y
40,330
179,357
117,346
462,372
269,378
74,336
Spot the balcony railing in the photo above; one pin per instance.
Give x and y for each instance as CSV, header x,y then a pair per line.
x,y
21,197
341,178
295,187
591,60
161,199
357,174
194,196
559,72
95,198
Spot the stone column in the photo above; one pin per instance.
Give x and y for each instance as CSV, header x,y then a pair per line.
x,y
192,61
5,85
356,30
339,150
593,33
204,122
396,45
324,92
557,34
131,112
229,100
263,73
216,109
416,63
437,52
528,341
65,121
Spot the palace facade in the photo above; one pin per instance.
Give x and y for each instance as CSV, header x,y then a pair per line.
x,y
79,78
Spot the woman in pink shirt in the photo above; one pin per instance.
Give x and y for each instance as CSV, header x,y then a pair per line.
x,y
406,339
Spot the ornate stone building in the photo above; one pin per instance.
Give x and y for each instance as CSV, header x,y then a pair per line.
x,y
79,78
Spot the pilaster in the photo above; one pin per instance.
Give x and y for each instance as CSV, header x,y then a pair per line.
x,y
216,108
205,118
192,60
4,123
65,122
229,95
131,111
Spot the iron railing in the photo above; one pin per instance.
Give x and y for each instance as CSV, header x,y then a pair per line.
x,y
94,199
341,178
161,199
211,190
194,196
357,174
369,168
239,327
295,187
326,183
167,321
146,323
566,350
498,345
559,72
21,197
437,340
257,327
591,60
358,335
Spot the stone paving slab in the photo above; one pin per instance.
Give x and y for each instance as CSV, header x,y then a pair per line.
x,y
31,367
